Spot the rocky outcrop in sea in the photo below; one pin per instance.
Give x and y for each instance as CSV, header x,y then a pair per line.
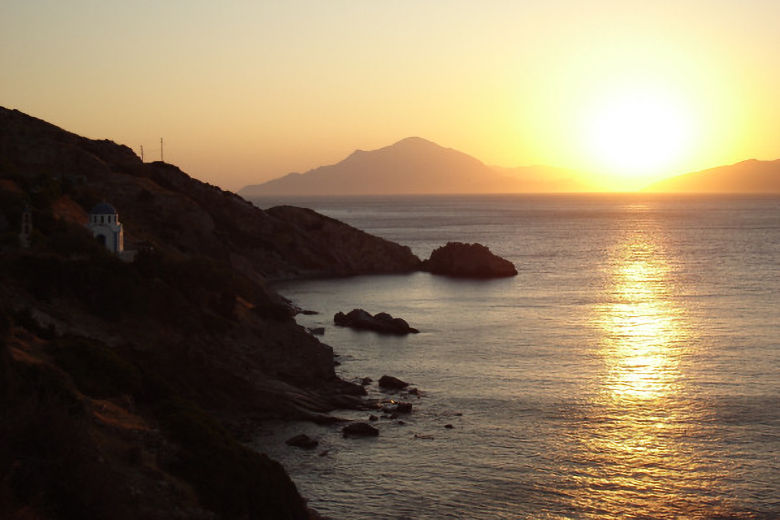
x,y
381,322
468,261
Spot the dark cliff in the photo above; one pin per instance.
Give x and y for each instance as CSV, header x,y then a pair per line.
x,y
140,375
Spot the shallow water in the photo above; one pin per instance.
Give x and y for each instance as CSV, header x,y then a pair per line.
x,y
630,370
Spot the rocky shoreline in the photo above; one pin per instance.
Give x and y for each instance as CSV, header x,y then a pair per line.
x,y
161,368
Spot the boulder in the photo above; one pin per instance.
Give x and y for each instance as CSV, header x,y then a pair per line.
x,y
359,429
391,406
382,322
302,441
403,407
468,261
392,382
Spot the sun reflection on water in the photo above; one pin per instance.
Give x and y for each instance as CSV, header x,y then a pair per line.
x,y
635,458
643,330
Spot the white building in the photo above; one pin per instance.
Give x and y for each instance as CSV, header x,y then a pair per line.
x,y
106,228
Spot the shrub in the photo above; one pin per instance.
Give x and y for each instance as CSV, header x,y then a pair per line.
x,y
5,323
96,369
45,190
69,240
25,319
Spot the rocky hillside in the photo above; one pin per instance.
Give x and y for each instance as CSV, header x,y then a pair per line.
x,y
125,387
162,206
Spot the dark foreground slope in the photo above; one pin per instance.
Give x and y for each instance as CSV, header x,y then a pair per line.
x,y
123,386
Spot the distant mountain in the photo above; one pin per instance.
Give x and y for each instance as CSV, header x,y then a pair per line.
x,y
414,166
751,176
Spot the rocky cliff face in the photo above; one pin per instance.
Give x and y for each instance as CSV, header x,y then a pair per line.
x,y
186,340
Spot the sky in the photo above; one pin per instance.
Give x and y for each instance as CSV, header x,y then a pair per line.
x,y
245,91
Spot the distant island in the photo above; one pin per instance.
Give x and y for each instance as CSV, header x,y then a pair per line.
x,y
751,176
417,166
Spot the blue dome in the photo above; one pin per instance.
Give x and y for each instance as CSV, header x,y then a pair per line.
x,y
104,208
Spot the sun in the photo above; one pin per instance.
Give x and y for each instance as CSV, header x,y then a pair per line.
x,y
637,134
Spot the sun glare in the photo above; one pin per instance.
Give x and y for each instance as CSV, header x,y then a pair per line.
x,y
637,134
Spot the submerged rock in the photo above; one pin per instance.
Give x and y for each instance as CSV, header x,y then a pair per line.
x,y
396,407
392,383
381,322
359,429
404,407
468,261
302,441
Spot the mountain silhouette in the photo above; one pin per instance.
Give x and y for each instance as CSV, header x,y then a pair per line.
x,y
415,166
751,176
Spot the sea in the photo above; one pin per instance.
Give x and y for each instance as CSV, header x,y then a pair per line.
x,y
630,370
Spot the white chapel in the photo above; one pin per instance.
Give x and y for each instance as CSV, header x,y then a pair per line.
x,y
106,228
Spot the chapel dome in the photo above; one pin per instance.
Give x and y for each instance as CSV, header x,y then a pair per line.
x,y
104,208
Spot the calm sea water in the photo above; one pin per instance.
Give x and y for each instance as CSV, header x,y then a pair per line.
x,y
630,370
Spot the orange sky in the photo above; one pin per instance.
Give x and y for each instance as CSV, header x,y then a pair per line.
x,y
248,91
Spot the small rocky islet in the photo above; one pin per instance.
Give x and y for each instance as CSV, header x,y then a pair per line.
x,y
461,260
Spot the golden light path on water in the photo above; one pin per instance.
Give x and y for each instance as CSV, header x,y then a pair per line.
x,y
638,458
643,330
